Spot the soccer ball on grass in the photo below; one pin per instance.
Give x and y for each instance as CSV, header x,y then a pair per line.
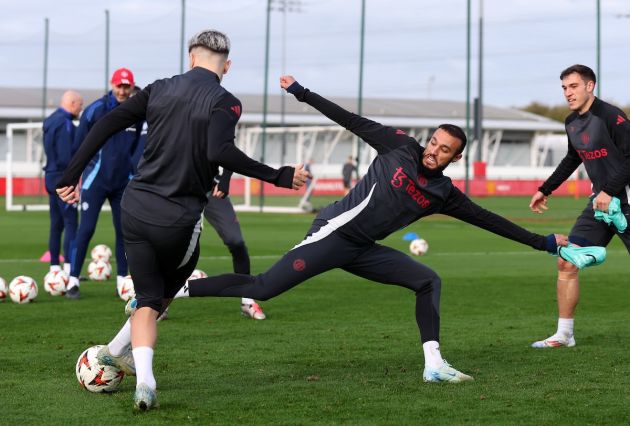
x,y
55,283
99,270
125,288
23,289
94,376
3,289
101,252
419,247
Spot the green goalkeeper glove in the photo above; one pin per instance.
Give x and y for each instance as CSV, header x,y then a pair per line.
x,y
614,215
583,257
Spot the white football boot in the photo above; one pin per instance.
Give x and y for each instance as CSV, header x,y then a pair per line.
x,y
253,311
445,373
123,361
145,398
558,340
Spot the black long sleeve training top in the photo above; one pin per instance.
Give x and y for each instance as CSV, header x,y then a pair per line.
x,y
397,190
191,120
599,138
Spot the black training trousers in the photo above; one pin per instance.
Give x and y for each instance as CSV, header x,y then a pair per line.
x,y
317,255
221,215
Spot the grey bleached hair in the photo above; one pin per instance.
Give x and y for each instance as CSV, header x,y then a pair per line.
x,y
213,40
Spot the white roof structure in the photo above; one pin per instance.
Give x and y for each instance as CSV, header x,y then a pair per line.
x,y
25,104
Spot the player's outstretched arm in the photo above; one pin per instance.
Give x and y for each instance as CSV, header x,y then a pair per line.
x,y
461,207
300,176
223,152
382,138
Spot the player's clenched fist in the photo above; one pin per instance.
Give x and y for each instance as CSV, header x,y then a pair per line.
x,y
286,81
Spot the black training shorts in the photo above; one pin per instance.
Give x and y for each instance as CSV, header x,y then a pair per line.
x,y
587,231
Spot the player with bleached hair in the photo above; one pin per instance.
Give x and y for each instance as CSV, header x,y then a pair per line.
x,y
191,122
404,183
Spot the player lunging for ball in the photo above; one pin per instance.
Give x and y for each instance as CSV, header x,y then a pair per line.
x,y
403,184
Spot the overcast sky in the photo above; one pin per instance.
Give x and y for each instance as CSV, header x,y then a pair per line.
x,y
413,48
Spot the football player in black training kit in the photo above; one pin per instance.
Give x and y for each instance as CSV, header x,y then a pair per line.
x,y
191,122
403,184
599,138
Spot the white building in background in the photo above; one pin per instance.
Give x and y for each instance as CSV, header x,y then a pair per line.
x,y
515,144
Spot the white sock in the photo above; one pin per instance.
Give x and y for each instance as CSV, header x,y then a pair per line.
x,y
432,355
67,268
119,279
565,326
247,301
143,358
72,282
55,268
121,341
183,292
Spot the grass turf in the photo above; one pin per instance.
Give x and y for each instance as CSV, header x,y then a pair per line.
x,y
336,349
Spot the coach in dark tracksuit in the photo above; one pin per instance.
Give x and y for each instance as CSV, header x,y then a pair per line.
x,y
191,121
106,176
403,184
58,139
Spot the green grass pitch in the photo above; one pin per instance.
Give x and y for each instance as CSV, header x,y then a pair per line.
x,y
336,349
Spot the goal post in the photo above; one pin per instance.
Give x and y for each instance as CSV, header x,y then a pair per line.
x,y
326,146
25,187
24,168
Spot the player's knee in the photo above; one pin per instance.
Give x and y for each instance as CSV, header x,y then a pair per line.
x,y
264,295
566,270
154,302
84,235
429,283
264,291
436,284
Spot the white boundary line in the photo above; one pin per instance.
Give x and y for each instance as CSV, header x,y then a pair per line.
x,y
278,256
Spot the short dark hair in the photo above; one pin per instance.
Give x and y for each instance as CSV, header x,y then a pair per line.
x,y
212,40
585,72
457,133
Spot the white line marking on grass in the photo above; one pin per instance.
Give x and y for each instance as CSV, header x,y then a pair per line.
x,y
278,256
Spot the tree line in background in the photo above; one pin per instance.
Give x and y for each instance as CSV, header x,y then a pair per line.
x,y
556,112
